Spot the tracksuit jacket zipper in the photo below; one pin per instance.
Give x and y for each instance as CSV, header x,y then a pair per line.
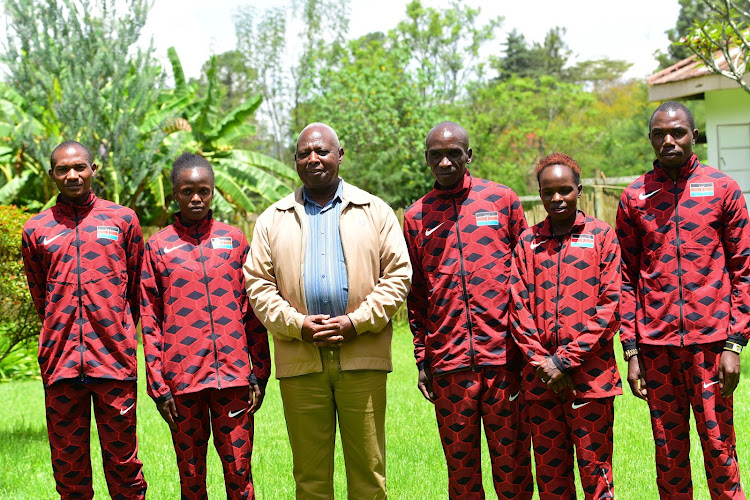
x,y
679,260
557,293
80,290
465,293
210,307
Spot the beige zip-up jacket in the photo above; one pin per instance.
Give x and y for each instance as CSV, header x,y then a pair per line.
x,y
379,274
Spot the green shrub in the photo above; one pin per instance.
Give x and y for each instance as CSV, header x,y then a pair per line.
x,y
19,323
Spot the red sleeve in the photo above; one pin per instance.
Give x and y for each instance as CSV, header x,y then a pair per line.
x,y
35,273
736,240
416,301
134,252
631,247
599,329
522,320
255,332
152,314
518,222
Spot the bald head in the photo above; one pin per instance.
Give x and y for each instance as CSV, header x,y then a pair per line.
x,y
71,147
320,129
448,130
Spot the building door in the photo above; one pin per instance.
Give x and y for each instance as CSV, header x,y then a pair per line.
x,y
734,154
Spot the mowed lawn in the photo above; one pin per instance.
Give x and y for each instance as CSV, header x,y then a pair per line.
x,y
416,467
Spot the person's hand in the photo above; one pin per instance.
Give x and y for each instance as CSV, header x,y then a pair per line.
x,y
551,375
257,393
729,372
637,377
168,412
314,325
424,384
343,331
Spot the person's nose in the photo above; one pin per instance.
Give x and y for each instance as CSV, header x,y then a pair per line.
x,y
445,162
196,197
72,174
557,197
313,158
668,139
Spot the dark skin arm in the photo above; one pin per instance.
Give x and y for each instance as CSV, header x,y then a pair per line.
x,y
637,377
424,384
168,412
551,375
729,373
257,393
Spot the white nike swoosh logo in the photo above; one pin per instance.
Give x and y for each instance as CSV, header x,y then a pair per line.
x,y
575,406
644,196
167,250
125,410
706,386
237,413
47,240
514,396
430,231
534,245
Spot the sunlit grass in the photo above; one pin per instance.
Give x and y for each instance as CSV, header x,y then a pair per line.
x,y
416,467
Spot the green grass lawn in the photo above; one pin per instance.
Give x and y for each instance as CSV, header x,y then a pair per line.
x,y
416,467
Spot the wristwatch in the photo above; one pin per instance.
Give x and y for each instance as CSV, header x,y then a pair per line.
x,y
629,353
733,346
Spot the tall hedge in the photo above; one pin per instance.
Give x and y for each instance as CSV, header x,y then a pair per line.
x,y
19,322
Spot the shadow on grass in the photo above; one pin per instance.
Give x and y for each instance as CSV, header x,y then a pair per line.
x,y
23,435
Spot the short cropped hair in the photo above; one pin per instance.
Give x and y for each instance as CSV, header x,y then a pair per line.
x,y
187,161
558,159
68,144
673,106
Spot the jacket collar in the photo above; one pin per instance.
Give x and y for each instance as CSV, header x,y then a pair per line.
x,y
458,190
69,207
685,171
203,226
350,194
546,229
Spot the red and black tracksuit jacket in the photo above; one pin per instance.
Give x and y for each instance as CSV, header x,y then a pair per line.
x,y
566,294
83,266
199,330
686,258
461,243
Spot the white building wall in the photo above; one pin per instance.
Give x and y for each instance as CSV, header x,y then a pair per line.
x,y
728,107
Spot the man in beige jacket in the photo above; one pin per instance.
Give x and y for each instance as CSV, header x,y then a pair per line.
x,y
327,269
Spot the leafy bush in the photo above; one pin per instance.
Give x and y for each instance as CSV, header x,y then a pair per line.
x,y
19,323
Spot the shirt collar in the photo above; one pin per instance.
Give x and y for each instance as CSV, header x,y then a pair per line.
x,y
580,221
338,197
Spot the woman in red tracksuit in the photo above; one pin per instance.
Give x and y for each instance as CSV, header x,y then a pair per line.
x,y
565,287
200,335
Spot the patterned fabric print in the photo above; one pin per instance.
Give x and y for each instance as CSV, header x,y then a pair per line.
x,y
557,427
464,401
686,258
566,296
197,321
460,244
325,275
678,378
224,411
83,266
68,424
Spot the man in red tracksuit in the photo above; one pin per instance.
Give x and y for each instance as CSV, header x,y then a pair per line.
x,y
82,259
460,237
200,336
565,286
685,237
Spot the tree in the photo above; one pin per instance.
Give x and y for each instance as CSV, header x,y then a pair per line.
x,y
725,31
522,60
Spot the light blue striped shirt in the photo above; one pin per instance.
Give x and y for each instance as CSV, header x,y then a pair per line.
x,y
325,276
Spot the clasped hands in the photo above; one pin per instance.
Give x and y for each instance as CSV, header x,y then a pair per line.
x,y
551,375
325,331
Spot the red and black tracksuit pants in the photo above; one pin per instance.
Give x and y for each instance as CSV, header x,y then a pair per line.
x,y
68,426
226,411
557,427
491,396
678,378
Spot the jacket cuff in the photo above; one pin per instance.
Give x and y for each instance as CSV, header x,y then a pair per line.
x,y
261,382
629,344
558,363
420,365
165,397
737,338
